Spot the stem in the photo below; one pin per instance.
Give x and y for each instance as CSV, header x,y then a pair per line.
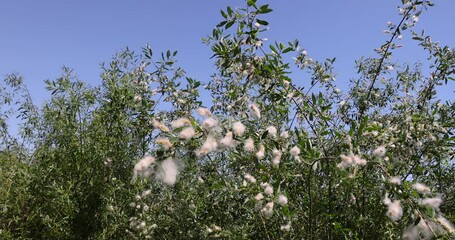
x,y
381,61
310,216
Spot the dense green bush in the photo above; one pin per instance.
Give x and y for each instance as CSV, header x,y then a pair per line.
x,y
139,157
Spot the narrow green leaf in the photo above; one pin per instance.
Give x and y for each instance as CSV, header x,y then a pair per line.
x,y
229,10
251,3
262,22
223,14
221,24
229,24
273,48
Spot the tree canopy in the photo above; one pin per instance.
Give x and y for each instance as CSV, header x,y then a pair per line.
x,y
273,157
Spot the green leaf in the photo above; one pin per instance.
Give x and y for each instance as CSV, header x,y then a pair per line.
x,y
229,24
229,10
264,135
287,50
273,48
221,24
223,14
251,3
262,22
265,9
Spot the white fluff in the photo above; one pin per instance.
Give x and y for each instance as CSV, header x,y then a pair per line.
x,y
395,180
228,141
249,178
268,189
238,128
386,199
268,210
167,172
203,112
285,228
209,123
159,125
423,230
432,202
446,224
180,123
421,188
143,167
276,157
272,131
394,211
295,151
359,161
254,110
351,160
187,133
259,197
137,98
284,134
209,146
260,154
164,142
282,200
249,145
379,152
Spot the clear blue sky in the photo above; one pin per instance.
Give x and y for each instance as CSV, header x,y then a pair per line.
x,y
37,38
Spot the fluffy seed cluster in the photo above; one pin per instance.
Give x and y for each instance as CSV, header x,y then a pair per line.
x,y
276,157
272,131
187,133
431,202
210,145
395,180
286,228
161,126
282,200
137,98
254,110
228,141
268,210
238,128
295,151
284,134
260,154
180,123
421,188
203,112
259,197
426,229
249,145
209,123
213,229
164,142
446,224
167,172
351,160
144,167
394,210
379,152
249,178
268,189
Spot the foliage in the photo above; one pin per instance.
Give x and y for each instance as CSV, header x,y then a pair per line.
x,y
273,158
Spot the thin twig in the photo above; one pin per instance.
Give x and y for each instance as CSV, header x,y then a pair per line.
x,y
381,61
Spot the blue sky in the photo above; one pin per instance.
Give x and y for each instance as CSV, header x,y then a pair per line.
x,y
37,39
